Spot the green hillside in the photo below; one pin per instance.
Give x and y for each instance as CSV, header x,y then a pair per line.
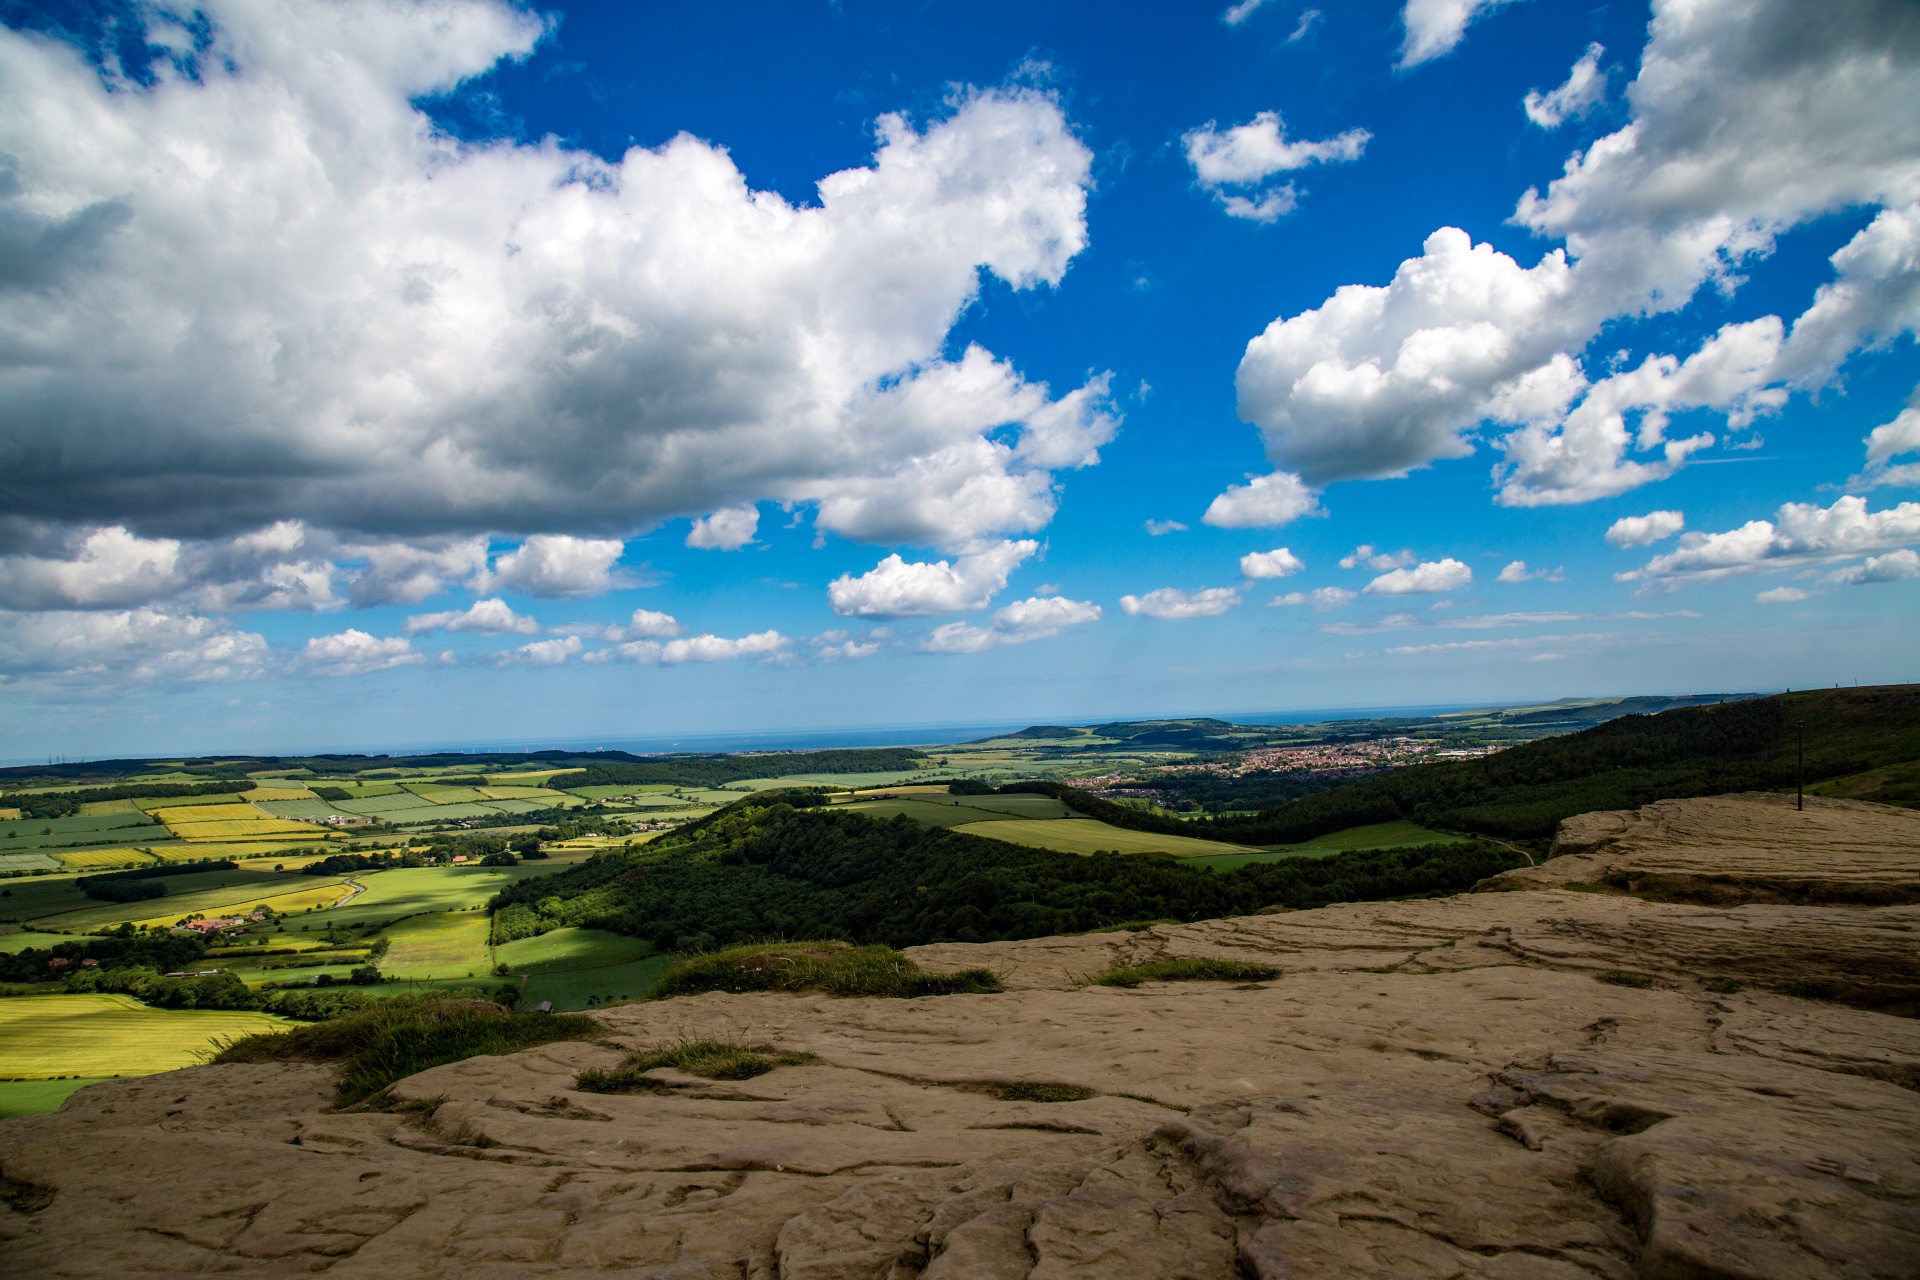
x,y
763,868
1522,793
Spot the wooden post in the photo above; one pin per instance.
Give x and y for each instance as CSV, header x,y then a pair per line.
x,y
1800,802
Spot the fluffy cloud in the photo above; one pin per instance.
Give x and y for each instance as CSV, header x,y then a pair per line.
x,y
897,588
727,530
266,265
278,567
1435,27
1364,554
1262,502
1161,528
1517,571
1034,618
1277,563
1422,579
1245,156
1799,535
646,624
1721,154
557,564
544,653
1585,88
1782,595
492,617
137,644
1895,566
1890,441
1640,531
705,647
355,653
1321,598
1172,602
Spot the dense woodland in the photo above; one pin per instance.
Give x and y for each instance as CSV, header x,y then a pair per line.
x,y
764,869
715,771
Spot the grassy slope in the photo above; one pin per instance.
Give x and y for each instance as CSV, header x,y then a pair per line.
x,y
106,1035
1084,835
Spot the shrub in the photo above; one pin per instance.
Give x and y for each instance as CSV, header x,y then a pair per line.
x,y
1626,978
1187,970
833,967
389,1040
712,1059
1024,1091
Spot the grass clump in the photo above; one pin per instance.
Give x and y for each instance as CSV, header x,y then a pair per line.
x,y
1025,1091
833,967
1626,978
395,1038
1725,986
1187,970
711,1059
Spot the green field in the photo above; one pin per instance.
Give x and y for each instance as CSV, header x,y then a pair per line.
x,y
43,834
571,948
61,904
1378,835
37,1097
407,891
575,989
103,1035
11,943
450,944
1084,835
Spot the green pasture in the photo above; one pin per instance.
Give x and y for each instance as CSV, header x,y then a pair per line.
x,y
28,862
308,808
571,990
38,1097
928,813
450,944
571,948
1378,835
46,834
381,806
108,1035
150,803
408,891
1084,835
61,903
14,943
1897,784
856,780
101,808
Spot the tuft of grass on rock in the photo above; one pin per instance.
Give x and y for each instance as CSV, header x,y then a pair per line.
x,y
1025,1091
1187,970
1725,986
833,967
1626,978
392,1039
711,1059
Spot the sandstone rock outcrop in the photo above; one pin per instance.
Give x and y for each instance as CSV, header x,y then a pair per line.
x,y
1549,1083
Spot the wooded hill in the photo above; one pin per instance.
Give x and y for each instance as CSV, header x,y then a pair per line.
x,y
715,771
1523,793
763,869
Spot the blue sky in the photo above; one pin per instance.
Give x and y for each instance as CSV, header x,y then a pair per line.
x,y
378,375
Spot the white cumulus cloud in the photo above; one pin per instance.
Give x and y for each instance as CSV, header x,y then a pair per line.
x,y
1262,502
727,530
1035,618
544,653
899,588
1245,156
1429,578
1435,27
355,653
558,564
1277,563
1895,566
1365,554
1799,535
1782,595
265,263
1886,443
705,647
1747,118
1641,531
1321,598
128,644
645,624
1584,89
1517,571
491,617
1172,602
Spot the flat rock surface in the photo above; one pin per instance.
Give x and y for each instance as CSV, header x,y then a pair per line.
x,y
1446,1088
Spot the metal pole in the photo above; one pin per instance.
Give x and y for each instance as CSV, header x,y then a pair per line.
x,y
1800,801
